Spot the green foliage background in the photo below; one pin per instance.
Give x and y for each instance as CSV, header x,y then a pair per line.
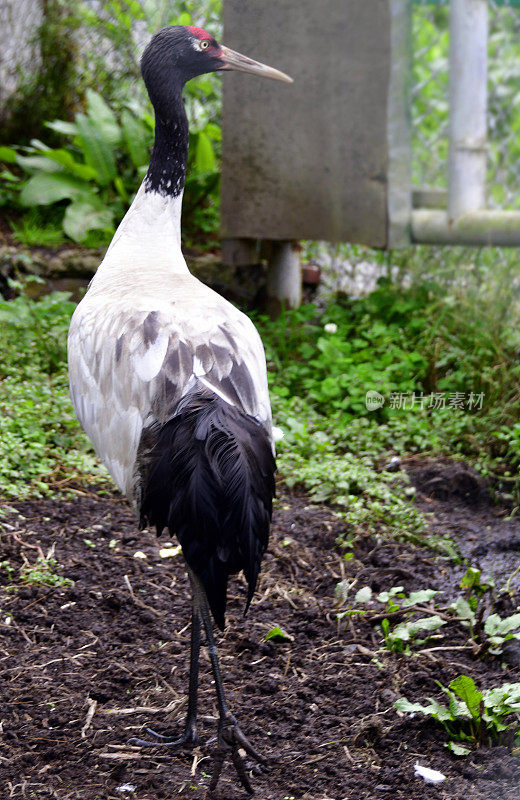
x,y
79,175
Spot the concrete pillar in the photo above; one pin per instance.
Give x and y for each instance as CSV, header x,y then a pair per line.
x,y
284,277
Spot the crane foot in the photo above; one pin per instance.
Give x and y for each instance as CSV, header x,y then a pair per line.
x,y
230,740
188,739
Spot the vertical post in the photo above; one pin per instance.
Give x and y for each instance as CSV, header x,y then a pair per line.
x,y
468,106
399,140
284,277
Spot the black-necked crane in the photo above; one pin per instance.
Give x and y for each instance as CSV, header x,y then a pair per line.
x,y
169,381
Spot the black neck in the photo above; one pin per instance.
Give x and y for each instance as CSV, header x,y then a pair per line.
x,y
167,171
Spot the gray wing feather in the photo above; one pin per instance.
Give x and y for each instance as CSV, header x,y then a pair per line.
x,y
129,369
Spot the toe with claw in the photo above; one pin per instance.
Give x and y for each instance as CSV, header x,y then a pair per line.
x,y
188,739
230,740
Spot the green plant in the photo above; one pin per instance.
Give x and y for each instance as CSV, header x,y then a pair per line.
x,y
35,229
44,572
495,631
33,335
92,180
41,444
478,717
500,630
438,338
9,570
277,634
349,482
400,638
92,177
467,607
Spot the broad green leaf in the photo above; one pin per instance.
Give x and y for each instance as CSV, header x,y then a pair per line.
x,y
434,709
8,155
82,217
46,188
103,118
137,137
494,624
464,687
8,176
422,596
406,630
278,635
384,597
440,712
457,708
39,145
463,609
38,163
458,749
61,126
70,164
97,151
205,160
503,698
411,708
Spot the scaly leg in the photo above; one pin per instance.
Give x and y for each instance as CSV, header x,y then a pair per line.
x,y
229,737
189,738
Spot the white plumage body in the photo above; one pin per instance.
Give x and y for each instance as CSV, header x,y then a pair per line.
x,y
147,332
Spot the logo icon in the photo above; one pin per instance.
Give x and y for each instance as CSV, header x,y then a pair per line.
x,y
374,400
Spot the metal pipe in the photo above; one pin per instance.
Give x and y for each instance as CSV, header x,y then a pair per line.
x,y
497,228
468,106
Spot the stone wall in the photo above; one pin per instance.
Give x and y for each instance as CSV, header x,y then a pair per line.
x,y
19,23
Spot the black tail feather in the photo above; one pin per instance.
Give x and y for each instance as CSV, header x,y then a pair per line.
x,y
208,475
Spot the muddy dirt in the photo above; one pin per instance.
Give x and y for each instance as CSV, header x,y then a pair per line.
x,y
84,668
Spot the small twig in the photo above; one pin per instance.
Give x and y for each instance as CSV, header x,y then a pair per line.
x,y
121,756
447,647
137,601
174,706
129,587
31,546
92,705
408,610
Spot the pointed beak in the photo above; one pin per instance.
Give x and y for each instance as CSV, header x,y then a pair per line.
x,y
232,60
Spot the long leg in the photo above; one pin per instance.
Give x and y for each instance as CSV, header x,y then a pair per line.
x,y
230,737
189,737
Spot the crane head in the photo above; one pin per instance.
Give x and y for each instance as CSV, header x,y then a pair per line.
x,y
191,51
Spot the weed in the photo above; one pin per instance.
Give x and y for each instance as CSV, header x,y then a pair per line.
x,y
41,444
490,635
477,717
493,632
44,573
277,635
401,637
499,630
9,570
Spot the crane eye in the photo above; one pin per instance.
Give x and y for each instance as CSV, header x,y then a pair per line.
x,y
204,44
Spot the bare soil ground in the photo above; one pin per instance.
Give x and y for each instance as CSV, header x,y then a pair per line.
x,y
86,667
